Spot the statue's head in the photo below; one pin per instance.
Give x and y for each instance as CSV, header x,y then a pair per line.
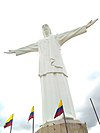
x,y
46,30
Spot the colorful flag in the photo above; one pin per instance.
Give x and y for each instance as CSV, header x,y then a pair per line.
x,y
31,114
9,121
60,109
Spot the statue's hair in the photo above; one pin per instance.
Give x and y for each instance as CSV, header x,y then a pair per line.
x,y
45,25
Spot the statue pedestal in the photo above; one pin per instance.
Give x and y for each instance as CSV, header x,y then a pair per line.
x,y
58,126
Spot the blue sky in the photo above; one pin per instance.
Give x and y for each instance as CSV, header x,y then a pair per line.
x,y
20,25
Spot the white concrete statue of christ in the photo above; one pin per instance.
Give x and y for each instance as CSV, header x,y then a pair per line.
x,y
53,76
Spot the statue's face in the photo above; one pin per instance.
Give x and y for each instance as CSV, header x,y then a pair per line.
x,y
46,30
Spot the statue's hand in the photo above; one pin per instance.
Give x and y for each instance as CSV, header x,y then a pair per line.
x,y
91,23
10,52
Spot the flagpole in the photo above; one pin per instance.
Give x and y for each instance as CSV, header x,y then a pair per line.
x,y
11,124
65,122
10,128
33,125
95,111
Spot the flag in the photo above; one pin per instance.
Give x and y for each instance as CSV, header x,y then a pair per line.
x,y
31,114
60,109
9,121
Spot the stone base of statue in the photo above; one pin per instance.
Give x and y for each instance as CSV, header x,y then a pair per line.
x,y
58,126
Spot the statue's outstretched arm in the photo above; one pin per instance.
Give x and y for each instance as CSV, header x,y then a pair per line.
x,y
24,50
62,38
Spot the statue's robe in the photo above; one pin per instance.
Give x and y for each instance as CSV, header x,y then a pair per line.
x,y
54,84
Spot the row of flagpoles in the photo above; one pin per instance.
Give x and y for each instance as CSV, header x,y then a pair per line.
x,y
9,121
59,111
